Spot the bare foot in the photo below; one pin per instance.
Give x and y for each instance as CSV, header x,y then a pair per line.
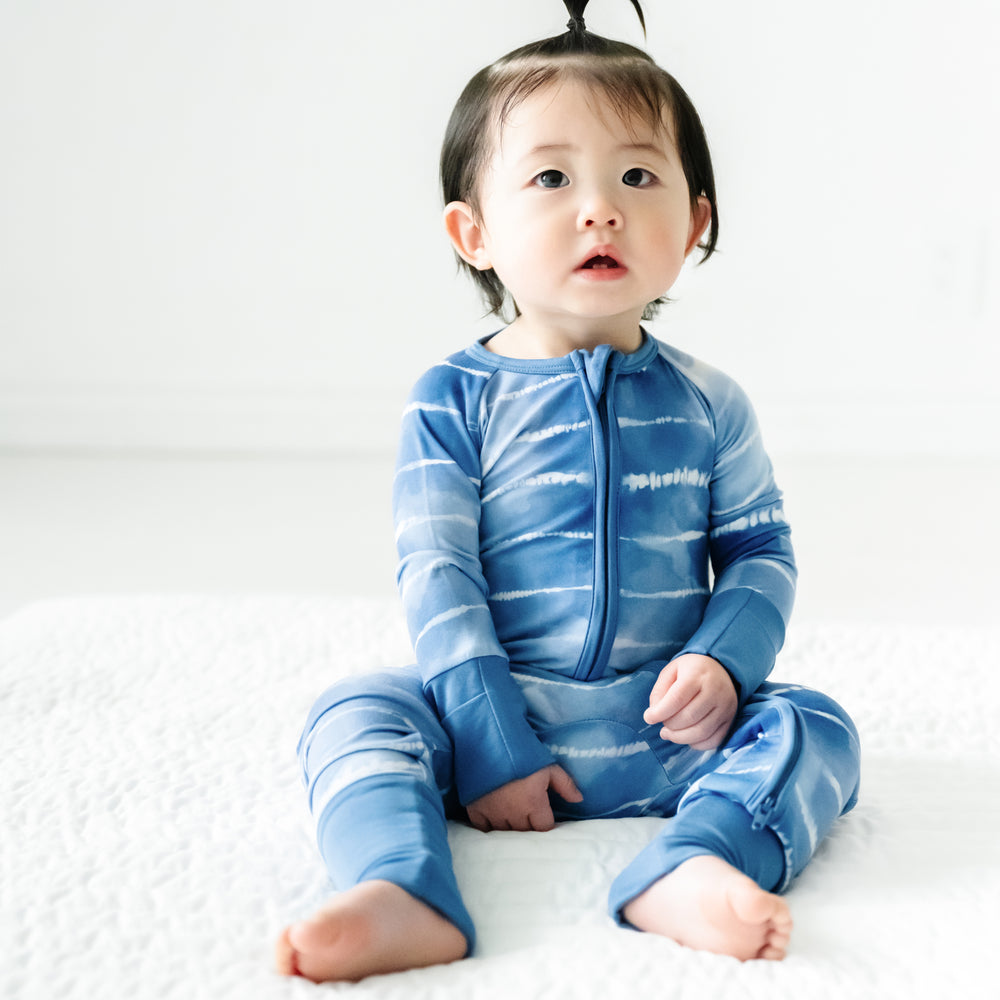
x,y
375,927
708,905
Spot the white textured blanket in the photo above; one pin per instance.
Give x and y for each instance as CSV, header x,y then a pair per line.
x,y
154,834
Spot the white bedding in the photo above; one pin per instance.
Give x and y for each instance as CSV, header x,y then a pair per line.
x,y
155,838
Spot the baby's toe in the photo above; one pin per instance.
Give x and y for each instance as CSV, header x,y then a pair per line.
x,y
284,955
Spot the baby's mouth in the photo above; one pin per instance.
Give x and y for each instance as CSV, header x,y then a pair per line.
x,y
599,263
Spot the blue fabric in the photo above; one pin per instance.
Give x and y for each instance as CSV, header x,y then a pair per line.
x,y
507,745
378,765
789,769
410,850
566,527
562,515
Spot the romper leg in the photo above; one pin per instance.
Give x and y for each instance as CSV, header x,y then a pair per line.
x,y
765,802
376,764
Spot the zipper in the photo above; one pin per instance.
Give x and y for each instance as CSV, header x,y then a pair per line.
x,y
609,625
761,813
604,609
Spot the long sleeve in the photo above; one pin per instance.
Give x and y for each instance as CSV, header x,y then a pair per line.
x,y
743,626
437,511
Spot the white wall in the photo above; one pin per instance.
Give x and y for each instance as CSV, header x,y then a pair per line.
x,y
219,223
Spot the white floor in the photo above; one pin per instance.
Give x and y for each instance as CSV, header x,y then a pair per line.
x,y
877,540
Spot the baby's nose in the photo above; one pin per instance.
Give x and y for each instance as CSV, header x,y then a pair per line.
x,y
599,211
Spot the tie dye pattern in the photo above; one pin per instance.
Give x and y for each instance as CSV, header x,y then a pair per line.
x,y
565,527
563,515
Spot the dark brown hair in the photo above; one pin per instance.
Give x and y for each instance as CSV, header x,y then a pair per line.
x,y
632,82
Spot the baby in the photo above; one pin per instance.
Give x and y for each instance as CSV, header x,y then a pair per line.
x,y
594,560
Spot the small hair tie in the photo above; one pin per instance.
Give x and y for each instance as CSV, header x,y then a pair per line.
x,y
578,27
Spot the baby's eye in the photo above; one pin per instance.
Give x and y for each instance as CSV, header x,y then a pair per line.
x,y
551,179
637,177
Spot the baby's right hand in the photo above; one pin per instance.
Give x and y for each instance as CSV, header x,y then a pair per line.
x,y
523,804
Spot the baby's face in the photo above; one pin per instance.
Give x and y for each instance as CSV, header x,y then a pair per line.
x,y
586,218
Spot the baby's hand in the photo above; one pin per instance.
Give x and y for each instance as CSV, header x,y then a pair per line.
x,y
695,699
523,804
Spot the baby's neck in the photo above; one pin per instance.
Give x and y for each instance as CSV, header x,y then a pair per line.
x,y
526,341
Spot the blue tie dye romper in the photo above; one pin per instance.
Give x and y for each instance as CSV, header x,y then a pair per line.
x,y
566,527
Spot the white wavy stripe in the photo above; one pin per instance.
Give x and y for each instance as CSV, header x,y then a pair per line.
x,y
735,576
469,371
532,536
413,522
629,808
544,479
412,577
753,439
555,430
518,595
331,720
664,595
529,680
421,407
769,515
808,820
660,480
759,769
835,785
759,492
424,463
608,753
832,718
785,689
724,583
446,616
366,769
507,397
630,422
664,541
781,570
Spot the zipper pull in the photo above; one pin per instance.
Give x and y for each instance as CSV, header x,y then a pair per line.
x,y
763,813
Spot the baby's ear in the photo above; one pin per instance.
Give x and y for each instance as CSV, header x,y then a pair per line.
x,y
466,234
701,217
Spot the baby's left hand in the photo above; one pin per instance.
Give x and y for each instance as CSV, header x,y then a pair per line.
x,y
695,699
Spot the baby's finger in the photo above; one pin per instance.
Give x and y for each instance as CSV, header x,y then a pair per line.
x,y
666,677
693,714
679,695
478,820
519,823
541,820
563,785
715,739
705,735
